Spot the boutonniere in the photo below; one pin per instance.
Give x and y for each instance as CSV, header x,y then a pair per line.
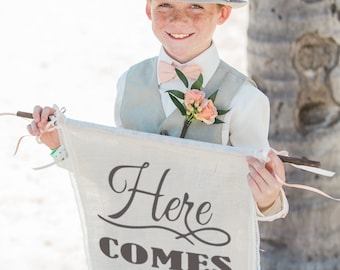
x,y
196,107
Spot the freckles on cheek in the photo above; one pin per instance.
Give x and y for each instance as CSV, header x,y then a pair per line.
x,y
158,23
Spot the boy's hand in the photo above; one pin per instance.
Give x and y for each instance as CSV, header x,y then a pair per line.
x,y
39,127
262,180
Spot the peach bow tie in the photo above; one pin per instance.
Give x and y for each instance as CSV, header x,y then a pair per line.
x,y
166,72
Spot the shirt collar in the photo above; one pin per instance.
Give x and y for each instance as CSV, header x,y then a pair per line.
x,y
208,61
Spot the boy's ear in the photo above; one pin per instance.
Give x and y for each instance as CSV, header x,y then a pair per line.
x,y
148,10
225,13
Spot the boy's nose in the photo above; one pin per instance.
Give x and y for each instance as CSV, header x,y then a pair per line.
x,y
178,16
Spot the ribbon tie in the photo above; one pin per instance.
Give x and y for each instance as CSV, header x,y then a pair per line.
x,y
166,72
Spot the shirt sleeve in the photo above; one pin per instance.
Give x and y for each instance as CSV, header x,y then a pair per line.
x,y
61,159
249,127
249,118
278,210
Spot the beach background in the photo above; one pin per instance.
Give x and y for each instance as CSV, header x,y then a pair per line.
x,y
69,53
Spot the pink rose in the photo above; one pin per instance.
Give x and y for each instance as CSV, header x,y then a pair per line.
x,y
193,99
208,113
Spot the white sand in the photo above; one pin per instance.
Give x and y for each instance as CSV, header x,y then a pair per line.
x,y
69,53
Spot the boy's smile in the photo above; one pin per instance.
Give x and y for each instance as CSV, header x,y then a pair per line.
x,y
179,36
185,29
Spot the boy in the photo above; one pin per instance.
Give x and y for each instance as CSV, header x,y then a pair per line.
x,y
185,30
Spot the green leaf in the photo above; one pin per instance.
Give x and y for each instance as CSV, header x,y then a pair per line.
x,y
176,93
218,121
221,112
213,96
198,83
178,104
182,77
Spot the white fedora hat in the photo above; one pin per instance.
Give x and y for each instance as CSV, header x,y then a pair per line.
x,y
232,3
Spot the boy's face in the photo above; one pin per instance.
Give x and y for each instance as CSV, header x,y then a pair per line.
x,y
185,29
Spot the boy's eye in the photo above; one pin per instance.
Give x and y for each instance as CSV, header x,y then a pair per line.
x,y
196,7
164,5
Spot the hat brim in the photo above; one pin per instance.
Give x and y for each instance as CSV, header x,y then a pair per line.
x,y
232,3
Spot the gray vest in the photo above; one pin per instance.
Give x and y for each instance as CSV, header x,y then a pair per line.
x,y
142,108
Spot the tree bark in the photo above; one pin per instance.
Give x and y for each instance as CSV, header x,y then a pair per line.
x,y
293,55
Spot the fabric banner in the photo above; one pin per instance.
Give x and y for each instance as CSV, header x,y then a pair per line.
x,y
156,202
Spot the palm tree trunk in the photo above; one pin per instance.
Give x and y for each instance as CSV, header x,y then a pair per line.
x,y
293,55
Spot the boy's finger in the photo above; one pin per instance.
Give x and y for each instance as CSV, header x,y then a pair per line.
x,y
277,165
33,129
36,114
46,112
259,167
